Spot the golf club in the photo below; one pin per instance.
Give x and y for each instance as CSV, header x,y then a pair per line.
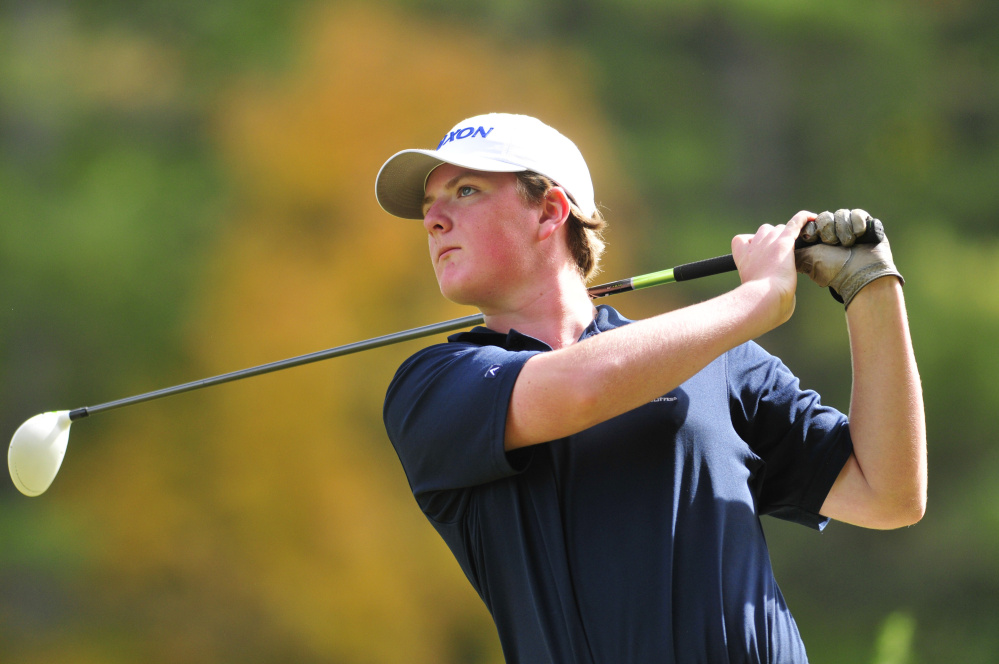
x,y
39,445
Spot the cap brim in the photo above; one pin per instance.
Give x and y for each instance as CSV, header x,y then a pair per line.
x,y
401,183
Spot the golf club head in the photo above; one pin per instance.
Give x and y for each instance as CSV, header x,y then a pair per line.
x,y
36,451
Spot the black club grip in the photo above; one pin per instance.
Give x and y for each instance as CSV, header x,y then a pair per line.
x,y
704,268
874,234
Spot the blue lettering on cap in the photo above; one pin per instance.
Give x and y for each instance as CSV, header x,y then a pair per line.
x,y
464,132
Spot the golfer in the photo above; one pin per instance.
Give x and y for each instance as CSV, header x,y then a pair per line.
x,y
601,481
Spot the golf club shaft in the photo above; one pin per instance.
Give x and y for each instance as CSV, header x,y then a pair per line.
x,y
687,271
377,342
679,273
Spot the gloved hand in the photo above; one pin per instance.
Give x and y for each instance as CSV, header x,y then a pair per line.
x,y
835,261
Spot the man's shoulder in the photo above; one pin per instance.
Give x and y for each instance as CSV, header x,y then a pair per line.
x,y
607,318
469,352
435,355
751,357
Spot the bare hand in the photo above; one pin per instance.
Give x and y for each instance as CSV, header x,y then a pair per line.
x,y
767,259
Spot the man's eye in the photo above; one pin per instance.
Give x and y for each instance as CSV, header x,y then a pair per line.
x,y
465,191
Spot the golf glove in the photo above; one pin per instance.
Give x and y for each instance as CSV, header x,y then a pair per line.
x,y
835,261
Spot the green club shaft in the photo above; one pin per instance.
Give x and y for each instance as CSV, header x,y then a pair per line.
x,y
683,272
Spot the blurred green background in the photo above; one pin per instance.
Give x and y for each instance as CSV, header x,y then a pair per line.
x,y
186,189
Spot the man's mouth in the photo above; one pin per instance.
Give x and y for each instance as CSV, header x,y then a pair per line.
x,y
445,251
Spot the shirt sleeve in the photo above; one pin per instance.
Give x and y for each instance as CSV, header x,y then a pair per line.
x,y
445,413
804,444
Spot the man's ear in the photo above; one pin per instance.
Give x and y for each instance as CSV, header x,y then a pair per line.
x,y
554,212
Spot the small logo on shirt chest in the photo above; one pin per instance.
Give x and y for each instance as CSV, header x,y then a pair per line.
x,y
492,371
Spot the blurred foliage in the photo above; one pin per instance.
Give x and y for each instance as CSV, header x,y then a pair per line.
x,y
186,190
894,644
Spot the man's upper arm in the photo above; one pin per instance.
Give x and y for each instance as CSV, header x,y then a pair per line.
x,y
849,498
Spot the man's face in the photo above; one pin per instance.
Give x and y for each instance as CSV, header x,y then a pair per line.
x,y
482,234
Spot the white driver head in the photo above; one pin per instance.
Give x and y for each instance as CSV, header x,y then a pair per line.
x,y
36,451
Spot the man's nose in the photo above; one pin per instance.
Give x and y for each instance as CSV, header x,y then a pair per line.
x,y
436,218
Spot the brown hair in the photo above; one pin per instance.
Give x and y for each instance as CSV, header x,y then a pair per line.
x,y
585,234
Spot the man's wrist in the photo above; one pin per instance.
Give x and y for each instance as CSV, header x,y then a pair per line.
x,y
761,307
885,288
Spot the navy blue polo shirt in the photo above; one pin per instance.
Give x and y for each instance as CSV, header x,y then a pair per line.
x,y
637,540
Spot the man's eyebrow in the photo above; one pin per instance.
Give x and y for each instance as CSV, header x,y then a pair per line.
x,y
427,200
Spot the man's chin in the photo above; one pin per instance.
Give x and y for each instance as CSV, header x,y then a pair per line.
x,y
458,294
458,298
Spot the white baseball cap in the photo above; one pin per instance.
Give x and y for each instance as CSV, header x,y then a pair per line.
x,y
496,142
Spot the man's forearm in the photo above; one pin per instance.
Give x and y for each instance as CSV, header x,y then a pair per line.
x,y
571,389
887,424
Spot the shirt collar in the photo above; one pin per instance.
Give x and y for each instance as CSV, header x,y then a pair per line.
x,y
607,318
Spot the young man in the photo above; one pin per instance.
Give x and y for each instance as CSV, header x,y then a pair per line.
x,y
600,481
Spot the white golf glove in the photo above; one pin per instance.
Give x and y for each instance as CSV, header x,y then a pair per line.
x,y
836,261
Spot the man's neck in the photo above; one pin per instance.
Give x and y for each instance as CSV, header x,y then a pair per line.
x,y
556,312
